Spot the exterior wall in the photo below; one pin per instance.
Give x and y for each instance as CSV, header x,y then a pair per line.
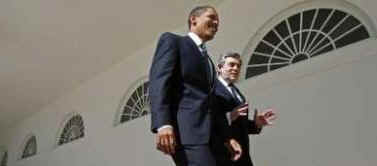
x,y
326,109
97,102
325,106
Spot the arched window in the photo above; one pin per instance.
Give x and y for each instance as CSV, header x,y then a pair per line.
x,y
30,147
136,102
210,2
303,35
73,130
4,159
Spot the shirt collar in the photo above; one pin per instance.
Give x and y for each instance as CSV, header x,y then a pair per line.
x,y
224,82
195,38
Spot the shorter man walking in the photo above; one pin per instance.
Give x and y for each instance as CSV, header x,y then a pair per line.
x,y
232,101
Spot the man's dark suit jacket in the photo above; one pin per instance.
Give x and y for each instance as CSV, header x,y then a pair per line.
x,y
180,89
240,129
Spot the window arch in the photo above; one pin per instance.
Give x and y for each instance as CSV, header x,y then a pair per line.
x,y
73,130
30,147
211,2
4,159
303,32
136,102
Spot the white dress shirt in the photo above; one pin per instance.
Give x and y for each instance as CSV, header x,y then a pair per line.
x,y
226,84
196,40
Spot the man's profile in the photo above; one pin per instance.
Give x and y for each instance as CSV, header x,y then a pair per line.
x,y
181,85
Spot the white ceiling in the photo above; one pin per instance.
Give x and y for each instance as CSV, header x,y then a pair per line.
x,y
48,47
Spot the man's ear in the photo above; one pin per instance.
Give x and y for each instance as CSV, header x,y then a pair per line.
x,y
218,67
193,20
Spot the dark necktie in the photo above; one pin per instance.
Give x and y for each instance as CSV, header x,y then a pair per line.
x,y
210,63
236,94
243,120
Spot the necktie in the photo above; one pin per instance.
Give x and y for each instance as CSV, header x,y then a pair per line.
x,y
236,94
210,64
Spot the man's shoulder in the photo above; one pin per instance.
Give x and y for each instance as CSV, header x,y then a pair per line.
x,y
220,82
170,35
220,88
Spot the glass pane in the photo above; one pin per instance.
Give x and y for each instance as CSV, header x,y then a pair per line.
x,y
137,105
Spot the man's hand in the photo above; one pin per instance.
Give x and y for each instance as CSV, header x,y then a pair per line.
x,y
264,118
239,111
166,141
234,148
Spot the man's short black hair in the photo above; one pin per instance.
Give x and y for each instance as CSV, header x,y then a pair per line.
x,y
197,11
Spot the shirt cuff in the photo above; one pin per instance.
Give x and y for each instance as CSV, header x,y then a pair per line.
x,y
163,127
229,118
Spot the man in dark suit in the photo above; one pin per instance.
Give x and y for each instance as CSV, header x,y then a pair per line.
x,y
230,99
181,84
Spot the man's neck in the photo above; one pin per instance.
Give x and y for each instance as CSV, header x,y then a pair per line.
x,y
198,41
225,81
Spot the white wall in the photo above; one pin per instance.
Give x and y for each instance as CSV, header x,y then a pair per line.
x,y
326,113
325,106
97,102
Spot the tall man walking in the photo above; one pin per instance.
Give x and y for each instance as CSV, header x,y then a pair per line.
x,y
181,84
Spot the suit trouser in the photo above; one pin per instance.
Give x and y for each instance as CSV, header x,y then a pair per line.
x,y
194,155
244,161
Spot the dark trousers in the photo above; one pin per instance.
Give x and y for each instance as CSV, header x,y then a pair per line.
x,y
244,161
194,155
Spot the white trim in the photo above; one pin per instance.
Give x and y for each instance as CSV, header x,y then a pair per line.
x,y
331,31
23,146
127,95
341,5
347,54
62,125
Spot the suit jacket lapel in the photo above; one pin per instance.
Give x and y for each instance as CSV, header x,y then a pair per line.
x,y
194,47
197,55
225,93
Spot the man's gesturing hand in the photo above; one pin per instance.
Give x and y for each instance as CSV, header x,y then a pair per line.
x,y
166,141
264,118
239,111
